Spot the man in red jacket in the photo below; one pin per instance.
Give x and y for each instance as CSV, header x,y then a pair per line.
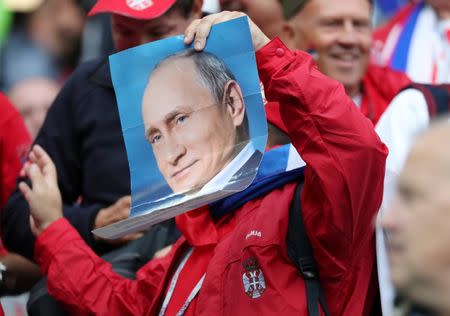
x,y
338,34
204,273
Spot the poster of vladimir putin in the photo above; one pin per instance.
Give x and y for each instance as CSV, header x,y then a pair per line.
x,y
193,123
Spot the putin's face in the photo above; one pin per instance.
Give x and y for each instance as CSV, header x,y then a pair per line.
x,y
192,135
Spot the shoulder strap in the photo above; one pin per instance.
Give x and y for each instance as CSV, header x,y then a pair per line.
x,y
437,97
301,253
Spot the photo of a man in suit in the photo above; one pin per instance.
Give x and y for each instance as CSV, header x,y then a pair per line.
x,y
195,120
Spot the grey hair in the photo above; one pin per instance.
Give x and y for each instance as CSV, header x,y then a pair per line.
x,y
212,74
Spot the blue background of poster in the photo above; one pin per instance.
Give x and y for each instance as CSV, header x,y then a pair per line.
x,y
130,70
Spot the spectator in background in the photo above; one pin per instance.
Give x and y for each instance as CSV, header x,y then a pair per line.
x,y
418,225
82,131
267,14
408,115
417,42
338,34
43,42
97,36
33,97
20,274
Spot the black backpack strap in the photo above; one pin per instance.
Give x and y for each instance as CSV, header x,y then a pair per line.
x,y
437,97
301,253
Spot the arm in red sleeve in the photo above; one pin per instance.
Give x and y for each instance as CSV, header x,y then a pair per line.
x,y
345,158
86,284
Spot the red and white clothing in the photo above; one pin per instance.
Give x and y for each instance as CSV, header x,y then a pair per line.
x,y
379,86
416,42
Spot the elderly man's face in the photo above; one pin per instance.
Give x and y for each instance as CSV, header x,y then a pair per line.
x,y
418,223
340,32
192,136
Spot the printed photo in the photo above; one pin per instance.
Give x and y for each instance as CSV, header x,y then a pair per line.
x,y
193,123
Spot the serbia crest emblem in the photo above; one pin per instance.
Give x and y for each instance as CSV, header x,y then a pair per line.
x,y
253,278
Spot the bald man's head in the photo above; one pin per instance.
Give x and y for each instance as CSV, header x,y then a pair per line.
x,y
418,224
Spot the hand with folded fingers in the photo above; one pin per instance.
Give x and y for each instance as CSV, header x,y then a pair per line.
x,y
43,197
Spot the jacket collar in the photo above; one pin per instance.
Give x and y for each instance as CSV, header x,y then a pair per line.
x,y
102,75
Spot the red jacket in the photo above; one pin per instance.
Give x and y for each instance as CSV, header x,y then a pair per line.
x,y
379,86
14,144
341,195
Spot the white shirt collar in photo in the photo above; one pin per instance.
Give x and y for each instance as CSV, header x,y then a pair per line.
x,y
221,179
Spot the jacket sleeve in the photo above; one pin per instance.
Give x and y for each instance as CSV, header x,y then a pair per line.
x,y
345,158
86,284
57,137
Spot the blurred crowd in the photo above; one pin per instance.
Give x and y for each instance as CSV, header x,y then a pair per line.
x,y
391,57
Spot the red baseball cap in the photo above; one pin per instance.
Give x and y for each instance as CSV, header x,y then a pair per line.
x,y
137,9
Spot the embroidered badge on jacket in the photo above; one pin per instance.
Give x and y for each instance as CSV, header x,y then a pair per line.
x,y
253,278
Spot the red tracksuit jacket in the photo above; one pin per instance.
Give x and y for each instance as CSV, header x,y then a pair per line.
x,y
341,195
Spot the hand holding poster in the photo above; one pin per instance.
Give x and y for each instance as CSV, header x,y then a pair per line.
x,y
193,123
